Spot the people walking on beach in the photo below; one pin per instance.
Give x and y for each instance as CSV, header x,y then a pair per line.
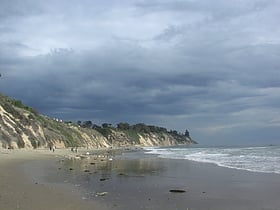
x,y
53,148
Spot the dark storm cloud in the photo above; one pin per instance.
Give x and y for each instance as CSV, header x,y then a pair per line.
x,y
218,9
12,9
212,67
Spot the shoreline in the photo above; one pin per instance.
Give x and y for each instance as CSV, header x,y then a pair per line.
x,y
137,181
40,179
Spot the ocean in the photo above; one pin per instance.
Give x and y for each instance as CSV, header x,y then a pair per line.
x,y
257,159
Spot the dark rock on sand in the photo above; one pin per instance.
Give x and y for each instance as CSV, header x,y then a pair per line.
x,y
177,191
122,174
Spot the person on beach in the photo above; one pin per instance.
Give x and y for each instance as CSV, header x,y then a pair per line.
x,y
53,148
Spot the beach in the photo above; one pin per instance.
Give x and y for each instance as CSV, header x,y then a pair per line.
x,y
43,180
135,182
19,190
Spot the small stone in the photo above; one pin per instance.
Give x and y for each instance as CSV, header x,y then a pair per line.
x,y
177,191
122,174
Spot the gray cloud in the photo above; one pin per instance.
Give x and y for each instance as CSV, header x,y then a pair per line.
x,y
213,68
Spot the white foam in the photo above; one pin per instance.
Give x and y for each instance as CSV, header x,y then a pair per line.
x,y
257,159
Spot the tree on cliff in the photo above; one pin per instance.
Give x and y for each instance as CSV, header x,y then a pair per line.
x,y
87,124
123,126
187,133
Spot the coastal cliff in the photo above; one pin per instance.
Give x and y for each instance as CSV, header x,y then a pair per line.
x,y
23,127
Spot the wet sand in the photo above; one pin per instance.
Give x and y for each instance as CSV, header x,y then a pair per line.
x,y
131,181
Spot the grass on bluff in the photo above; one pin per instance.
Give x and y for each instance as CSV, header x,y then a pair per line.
x,y
133,135
71,137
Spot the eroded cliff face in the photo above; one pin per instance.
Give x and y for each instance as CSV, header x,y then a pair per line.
x,y
25,128
159,140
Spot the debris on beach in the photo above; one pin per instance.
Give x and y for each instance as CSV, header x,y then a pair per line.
x,y
77,157
122,174
177,191
103,179
86,170
84,157
101,193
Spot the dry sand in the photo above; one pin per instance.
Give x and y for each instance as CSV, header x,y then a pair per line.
x,y
17,191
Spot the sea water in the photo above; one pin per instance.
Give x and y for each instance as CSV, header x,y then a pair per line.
x,y
257,159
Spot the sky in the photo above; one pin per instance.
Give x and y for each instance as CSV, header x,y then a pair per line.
x,y
212,67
